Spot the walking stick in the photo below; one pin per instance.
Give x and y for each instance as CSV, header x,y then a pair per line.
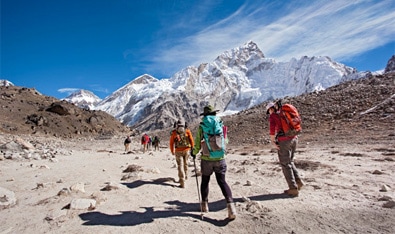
x,y
197,184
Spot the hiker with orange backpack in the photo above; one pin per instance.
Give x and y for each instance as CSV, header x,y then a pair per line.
x,y
284,125
181,142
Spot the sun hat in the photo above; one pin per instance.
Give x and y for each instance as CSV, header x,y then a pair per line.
x,y
209,110
268,106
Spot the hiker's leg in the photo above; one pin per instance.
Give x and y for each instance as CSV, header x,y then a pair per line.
x,y
204,189
179,156
220,172
185,161
284,155
207,170
295,172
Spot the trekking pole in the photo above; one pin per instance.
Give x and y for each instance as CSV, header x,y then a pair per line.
x,y
197,185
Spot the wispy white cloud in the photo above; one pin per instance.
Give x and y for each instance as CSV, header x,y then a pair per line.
x,y
68,91
339,29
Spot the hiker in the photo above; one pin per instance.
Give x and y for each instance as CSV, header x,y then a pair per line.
x,y
286,146
149,143
212,163
144,142
127,143
181,142
156,142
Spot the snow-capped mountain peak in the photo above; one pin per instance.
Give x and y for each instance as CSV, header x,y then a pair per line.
x,y
237,79
83,99
6,83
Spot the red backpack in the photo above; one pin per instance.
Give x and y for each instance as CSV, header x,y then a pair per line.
x,y
290,120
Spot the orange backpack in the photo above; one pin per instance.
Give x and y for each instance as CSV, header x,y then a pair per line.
x,y
290,120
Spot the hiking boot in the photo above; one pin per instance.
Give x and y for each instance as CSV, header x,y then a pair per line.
x,y
231,211
300,183
292,192
182,184
204,206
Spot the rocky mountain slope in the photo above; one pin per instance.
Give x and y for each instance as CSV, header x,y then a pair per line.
x,y
26,111
236,80
359,111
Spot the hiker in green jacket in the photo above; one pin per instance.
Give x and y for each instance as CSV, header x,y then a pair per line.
x,y
212,158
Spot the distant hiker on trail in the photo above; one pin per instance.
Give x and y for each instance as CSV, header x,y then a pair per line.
x,y
144,142
149,143
127,143
286,146
210,140
181,142
156,142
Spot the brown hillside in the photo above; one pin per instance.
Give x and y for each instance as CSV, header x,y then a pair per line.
x,y
26,111
358,111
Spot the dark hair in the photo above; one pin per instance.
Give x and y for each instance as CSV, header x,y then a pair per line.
x,y
279,104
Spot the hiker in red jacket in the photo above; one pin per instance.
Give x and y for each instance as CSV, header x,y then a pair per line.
x,y
144,142
286,146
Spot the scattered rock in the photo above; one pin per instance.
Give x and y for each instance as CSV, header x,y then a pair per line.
x,y
82,204
7,198
111,186
131,176
389,204
78,187
133,168
246,199
64,192
385,198
384,188
377,172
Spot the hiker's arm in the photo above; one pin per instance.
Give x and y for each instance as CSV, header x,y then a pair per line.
x,y
191,139
171,144
198,138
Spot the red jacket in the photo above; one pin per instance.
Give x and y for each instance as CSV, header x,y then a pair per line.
x,y
275,127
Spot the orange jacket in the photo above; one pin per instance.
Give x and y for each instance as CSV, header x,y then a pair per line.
x,y
174,136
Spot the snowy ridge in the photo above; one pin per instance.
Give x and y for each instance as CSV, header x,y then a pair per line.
x,y
236,80
6,83
84,99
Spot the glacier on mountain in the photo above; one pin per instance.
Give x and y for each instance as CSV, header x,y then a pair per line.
x,y
236,80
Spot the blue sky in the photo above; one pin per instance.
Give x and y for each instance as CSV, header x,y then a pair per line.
x,y
58,46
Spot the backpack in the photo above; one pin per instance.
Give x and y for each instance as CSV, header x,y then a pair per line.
x,y
290,120
213,143
127,140
182,139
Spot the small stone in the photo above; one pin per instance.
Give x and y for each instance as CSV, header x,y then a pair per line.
x,y
385,198
384,188
389,204
246,199
377,172
81,204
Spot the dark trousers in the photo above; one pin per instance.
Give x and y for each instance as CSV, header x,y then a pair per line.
x,y
219,168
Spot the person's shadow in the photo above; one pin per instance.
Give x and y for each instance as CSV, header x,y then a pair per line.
x,y
176,209
166,181
133,218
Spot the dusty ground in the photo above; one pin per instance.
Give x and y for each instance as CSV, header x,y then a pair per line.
x,y
342,192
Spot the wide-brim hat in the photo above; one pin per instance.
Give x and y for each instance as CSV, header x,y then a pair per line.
x,y
209,110
268,106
